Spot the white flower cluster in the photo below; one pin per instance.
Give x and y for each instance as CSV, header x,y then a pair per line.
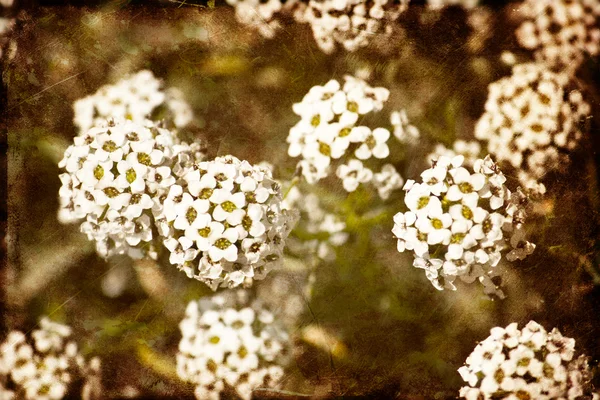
x,y
532,120
560,32
470,150
135,98
459,222
112,176
229,348
223,222
351,23
526,364
328,130
318,232
44,367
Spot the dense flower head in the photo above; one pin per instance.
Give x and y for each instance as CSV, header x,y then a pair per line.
x,y
223,223
111,175
532,120
136,98
528,363
43,365
230,345
561,32
328,134
351,23
318,232
460,220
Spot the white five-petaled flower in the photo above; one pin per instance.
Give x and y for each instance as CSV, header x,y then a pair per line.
x,y
374,145
353,174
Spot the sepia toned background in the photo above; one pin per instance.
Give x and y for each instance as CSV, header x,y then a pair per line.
x,y
370,323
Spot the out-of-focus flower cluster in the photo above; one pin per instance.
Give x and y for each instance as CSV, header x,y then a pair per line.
x,y
561,32
136,98
329,132
349,23
45,365
532,120
224,223
229,345
459,221
526,364
318,232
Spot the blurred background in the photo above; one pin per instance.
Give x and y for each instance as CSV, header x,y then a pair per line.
x,y
365,322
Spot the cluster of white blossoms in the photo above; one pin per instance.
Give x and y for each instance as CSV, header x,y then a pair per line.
x,y
460,220
318,232
43,366
561,32
223,222
532,120
351,23
328,133
112,175
526,364
230,347
136,98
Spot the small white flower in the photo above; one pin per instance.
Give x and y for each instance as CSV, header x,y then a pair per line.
x,y
374,145
353,174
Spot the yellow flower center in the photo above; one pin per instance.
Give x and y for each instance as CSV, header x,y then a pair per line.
x,y
324,149
437,223
98,172
222,243
316,120
130,175
191,214
344,132
109,146
111,192
228,206
144,159
204,232
422,203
